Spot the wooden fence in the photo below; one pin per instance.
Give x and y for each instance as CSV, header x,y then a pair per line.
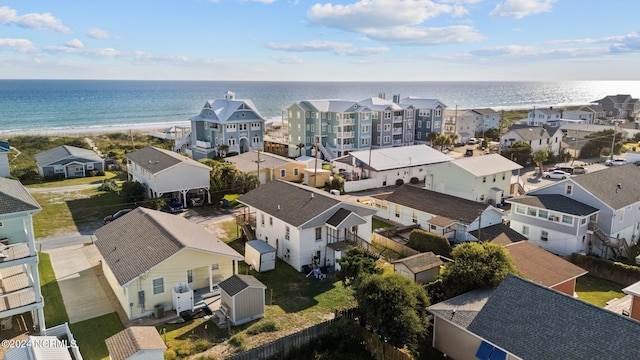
x,y
296,343
403,250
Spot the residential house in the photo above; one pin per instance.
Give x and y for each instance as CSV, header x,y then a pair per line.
x,y
619,106
592,114
226,127
497,324
335,126
242,299
421,268
539,138
20,291
307,227
486,178
5,150
166,173
154,260
69,161
500,234
268,166
390,125
450,216
543,117
466,123
428,117
545,268
554,222
601,214
384,167
38,348
136,343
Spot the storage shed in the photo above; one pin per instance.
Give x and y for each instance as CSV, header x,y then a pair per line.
x,y
241,299
260,255
421,268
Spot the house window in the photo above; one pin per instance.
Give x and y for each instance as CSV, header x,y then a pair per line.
x,y
313,127
544,214
387,114
270,221
544,236
436,124
364,141
419,123
189,276
262,219
378,127
418,135
568,189
397,211
283,173
409,113
287,233
438,112
428,124
231,127
482,197
583,221
387,127
256,139
532,211
242,126
232,142
567,219
308,127
525,230
158,286
296,172
215,267
387,139
520,209
415,216
484,179
318,233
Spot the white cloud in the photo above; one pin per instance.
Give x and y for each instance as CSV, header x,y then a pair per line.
x,y
366,14
75,43
425,36
36,21
337,48
17,45
521,8
533,53
100,34
288,59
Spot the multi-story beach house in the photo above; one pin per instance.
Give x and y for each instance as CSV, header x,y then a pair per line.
x,y
588,114
543,117
226,127
619,106
467,123
391,124
427,116
18,257
336,126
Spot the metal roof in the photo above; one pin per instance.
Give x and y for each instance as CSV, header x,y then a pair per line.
x,y
397,157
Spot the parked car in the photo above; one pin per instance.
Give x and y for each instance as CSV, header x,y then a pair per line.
x,y
579,170
116,215
615,162
567,169
474,141
556,174
173,205
469,152
196,200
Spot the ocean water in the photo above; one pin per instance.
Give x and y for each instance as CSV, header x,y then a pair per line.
x,y
75,105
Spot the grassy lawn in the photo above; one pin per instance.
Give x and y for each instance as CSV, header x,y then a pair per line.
x,y
379,224
78,211
230,228
90,335
597,291
76,181
54,311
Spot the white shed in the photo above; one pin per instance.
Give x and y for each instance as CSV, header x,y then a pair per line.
x,y
242,299
260,255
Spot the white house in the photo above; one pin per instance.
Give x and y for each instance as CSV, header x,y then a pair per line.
x,y
450,216
5,150
155,261
538,137
600,215
384,167
542,116
166,173
306,226
486,178
469,122
20,283
589,114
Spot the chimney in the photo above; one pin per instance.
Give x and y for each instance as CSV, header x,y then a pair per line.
x,y
381,95
230,95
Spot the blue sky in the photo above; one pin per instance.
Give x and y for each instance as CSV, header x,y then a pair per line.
x,y
301,40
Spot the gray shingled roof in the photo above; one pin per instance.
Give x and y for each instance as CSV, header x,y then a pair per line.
x,y
436,203
604,185
133,339
422,103
555,202
501,230
156,160
288,202
531,133
57,154
237,283
144,238
14,198
532,321
462,309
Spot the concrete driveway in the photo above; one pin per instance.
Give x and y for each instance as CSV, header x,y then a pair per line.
x,y
82,293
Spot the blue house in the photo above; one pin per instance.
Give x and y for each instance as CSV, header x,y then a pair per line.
x,y
226,127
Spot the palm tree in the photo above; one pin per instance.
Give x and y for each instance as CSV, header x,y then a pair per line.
x,y
223,149
300,146
431,137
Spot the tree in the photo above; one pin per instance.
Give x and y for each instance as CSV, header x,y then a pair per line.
x,y
355,263
475,266
599,141
519,152
133,191
300,146
226,178
395,308
431,136
540,157
440,141
492,134
425,241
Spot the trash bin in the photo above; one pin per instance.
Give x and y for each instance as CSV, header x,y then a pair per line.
x,y
158,311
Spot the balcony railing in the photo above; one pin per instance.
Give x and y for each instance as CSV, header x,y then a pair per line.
x,y
344,147
347,121
203,144
397,142
17,299
397,131
345,134
14,252
397,119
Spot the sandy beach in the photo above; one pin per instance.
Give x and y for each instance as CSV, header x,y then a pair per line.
x,y
146,128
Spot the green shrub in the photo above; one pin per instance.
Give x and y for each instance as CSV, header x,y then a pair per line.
x,y
425,241
184,349
170,355
205,357
265,325
239,341
201,345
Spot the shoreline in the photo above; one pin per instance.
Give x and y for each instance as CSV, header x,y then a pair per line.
x,y
145,129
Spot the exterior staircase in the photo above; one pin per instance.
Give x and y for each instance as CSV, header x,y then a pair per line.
x,y
327,154
618,246
182,143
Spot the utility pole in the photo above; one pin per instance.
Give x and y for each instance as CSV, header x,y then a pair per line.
x,y
613,141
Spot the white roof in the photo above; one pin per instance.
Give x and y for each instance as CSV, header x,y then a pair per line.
x,y
486,164
400,157
420,103
329,105
379,104
39,348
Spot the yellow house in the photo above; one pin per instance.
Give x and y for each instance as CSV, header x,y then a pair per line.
x,y
155,261
269,166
